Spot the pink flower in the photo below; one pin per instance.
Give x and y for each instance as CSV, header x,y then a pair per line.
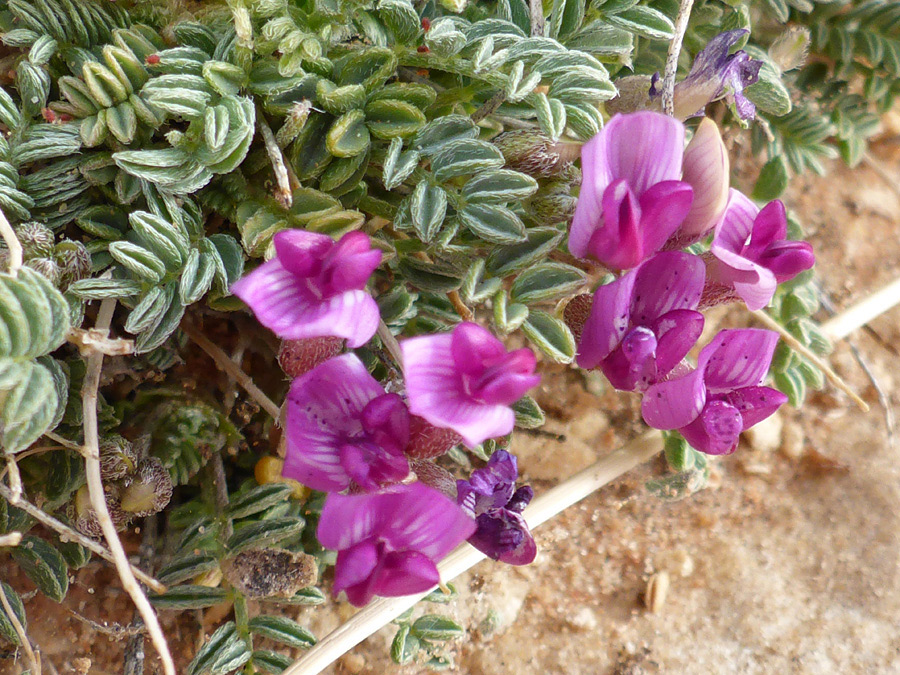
x,y
644,323
634,195
388,543
466,381
342,427
713,404
750,252
315,287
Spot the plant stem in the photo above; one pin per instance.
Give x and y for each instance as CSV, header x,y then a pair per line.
x,y
34,663
537,18
98,497
67,533
380,612
12,243
10,539
668,86
390,342
862,312
283,194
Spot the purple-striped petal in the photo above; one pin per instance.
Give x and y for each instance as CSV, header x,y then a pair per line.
x,y
669,280
405,573
677,332
617,243
472,346
386,420
706,169
348,520
726,421
354,566
663,209
302,252
350,263
589,209
607,322
675,403
756,403
786,259
769,226
733,229
419,518
507,381
633,362
753,283
737,358
644,148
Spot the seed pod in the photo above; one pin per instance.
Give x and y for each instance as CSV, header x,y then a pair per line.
x,y
150,491
297,357
36,238
117,457
556,205
576,314
267,572
530,152
82,513
427,441
74,262
46,268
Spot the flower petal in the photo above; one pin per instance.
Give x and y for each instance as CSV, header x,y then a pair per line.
x,y
348,520
676,332
663,209
706,169
350,263
769,226
786,259
643,148
607,322
354,565
595,178
698,437
405,573
737,358
617,244
753,283
419,518
302,252
669,280
675,403
473,345
756,403
734,228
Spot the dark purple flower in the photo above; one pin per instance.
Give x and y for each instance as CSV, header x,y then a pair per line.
x,y
717,74
342,427
643,324
713,404
632,198
388,543
750,253
490,496
466,381
315,287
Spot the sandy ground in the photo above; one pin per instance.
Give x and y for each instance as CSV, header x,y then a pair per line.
x,y
786,563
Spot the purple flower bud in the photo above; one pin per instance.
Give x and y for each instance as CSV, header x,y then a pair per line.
x,y
491,498
717,74
644,323
342,428
466,381
750,253
315,287
713,404
632,198
388,543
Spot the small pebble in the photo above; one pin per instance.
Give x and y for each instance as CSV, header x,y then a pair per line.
x,y
657,589
353,663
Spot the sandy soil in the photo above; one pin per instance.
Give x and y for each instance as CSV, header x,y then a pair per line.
x,y
786,563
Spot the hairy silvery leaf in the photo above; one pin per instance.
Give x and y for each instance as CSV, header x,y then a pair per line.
x,y
337,224
283,630
532,48
105,87
142,262
32,405
585,121
42,50
499,187
46,141
227,258
546,281
437,628
34,314
126,66
178,95
338,100
21,38
169,241
645,22
348,136
98,289
169,168
566,17
607,43
187,566
405,646
580,84
216,125
508,317
196,35
769,92
528,413
155,336
427,209
551,114
44,565
179,61
388,119
401,18
150,310
493,223
9,111
540,241
503,32
550,335
370,67
398,165
122,122
518,88
444,39
196,277
192,597
442,131
271,662
225,78
15,602
263,533
397,306
461,157
433,277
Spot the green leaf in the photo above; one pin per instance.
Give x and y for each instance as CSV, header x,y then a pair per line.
x,y
679,455
546,281
550,335
190,597
432,627
348,136
271,662
223,653
645,22
508,317
168,241
15,603
566,17
257,499
677,486
540,241
404,646
772,181
150,310
263,533
98,289
139,260
310,596
442,131
28,409
769,92
431,277
398,165
401,18
792,383
187,566
427,209
499,187
461,157
528,413
493,223
389,119
44,565
153,338
283,630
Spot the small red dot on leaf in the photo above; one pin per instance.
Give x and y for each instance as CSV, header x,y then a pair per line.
x,y
422,49
153,59
426,23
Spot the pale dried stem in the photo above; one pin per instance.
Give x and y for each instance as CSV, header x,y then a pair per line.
x,y
859,314
668,84
537,18
231,368
10,539
390,342
34,663
283,194
460,306
15,479
98,497
88,340
65,442
812,357
883,173
12,243
543,508
68,534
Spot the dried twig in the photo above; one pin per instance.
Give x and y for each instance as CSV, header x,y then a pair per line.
x,y
231,368
10,539
668,85
65,442
378,613
87,340
34,662
488,107
15,478
389,341
98,497
283,193
882,172
114,630
68,534
460,306
812,357
861,313
12,243
537,17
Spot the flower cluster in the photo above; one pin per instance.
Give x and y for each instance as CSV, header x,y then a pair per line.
x,y
643,192
347,436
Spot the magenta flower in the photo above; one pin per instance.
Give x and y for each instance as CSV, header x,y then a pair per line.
x,y
717,74
644,323
315,287
713,404
490,496
750,253
388,543
466,381
342,427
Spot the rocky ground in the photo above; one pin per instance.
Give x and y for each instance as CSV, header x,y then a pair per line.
x,y
786,563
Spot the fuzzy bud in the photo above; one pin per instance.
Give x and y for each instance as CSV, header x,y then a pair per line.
x,y
530,152
150,491
297,357
46,268
576,314
268,572
117,457
791,48
427,441
556,205
36,239
634,95
434,476
74,262
82,513
455,6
